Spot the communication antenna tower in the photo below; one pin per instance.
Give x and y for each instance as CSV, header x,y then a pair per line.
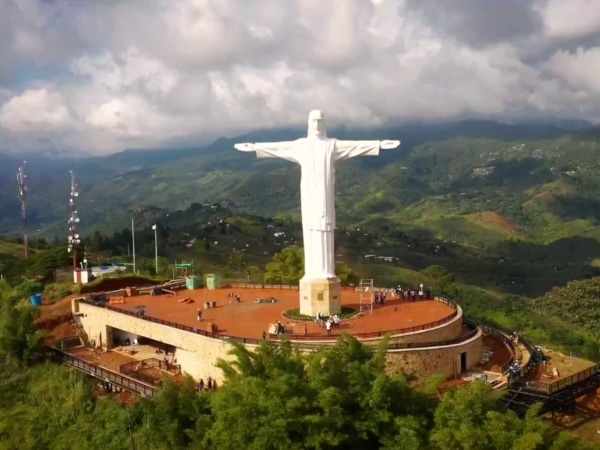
x,y
74,239
23,190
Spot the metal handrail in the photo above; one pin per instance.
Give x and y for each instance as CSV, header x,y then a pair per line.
x,y
101,373
559,385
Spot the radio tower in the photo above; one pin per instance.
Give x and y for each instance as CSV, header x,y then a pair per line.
x,y
22,184
74,239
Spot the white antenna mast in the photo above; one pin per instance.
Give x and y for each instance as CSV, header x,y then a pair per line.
x,y
74,238
23,191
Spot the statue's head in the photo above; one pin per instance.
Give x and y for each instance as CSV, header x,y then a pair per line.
x,y
316,124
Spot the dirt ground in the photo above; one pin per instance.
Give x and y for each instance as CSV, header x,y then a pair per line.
x,y
565,365
59,308
501,354
111,360
585,423
249,319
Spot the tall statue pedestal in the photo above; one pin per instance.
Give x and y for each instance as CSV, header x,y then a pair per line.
x,y
320,296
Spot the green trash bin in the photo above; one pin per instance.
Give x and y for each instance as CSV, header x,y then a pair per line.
x,y
212,281
192,282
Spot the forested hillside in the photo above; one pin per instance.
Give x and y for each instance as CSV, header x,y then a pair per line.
x,y
477,183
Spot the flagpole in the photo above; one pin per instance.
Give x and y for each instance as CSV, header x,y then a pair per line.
x,y
155,248
133,244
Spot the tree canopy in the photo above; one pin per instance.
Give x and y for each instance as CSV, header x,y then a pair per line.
x,y
275,397
287,267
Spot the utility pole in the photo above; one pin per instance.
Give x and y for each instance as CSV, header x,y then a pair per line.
x,y
133,244
155,249
23,191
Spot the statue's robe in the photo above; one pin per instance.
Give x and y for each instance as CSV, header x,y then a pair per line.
x,y
317,158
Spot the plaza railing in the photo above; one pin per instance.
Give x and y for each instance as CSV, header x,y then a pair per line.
x,y
559,385
504,334
304,341
405,330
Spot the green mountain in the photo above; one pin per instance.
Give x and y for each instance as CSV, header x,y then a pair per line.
x,y
472,183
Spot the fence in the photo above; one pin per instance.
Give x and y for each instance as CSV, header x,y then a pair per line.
x,y
101,373
553,388
140,370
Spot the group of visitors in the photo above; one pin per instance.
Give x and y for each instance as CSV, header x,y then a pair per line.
x,y
328,323
210,384
233,297
412,293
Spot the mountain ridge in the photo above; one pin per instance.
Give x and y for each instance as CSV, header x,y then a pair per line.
x,y
434,162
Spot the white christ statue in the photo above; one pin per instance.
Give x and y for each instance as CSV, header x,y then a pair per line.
x,y
317,155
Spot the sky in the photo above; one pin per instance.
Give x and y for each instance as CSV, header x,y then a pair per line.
x,y
99,76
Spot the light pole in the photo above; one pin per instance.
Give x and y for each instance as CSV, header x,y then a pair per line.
x,y
133,244
155,249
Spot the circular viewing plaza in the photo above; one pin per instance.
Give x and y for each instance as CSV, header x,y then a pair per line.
x,y
194,328
259,308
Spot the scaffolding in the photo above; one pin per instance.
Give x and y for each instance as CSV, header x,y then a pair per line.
x,y
183,269
366,295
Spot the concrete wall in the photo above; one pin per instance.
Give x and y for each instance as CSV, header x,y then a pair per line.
x,y
443,332
435,360
198,354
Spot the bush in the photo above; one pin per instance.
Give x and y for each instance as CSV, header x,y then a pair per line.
x,y
294,314
56,291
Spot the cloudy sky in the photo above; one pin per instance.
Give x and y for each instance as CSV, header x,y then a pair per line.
x,y
98,76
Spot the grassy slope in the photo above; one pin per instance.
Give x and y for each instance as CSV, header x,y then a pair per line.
x,y
10,249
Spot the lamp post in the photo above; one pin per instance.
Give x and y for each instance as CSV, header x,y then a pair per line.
x,y
155,249
133,244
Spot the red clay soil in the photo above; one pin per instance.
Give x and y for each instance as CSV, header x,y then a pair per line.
x,y
501,354
61,330
111,360
590,401
125,398
248,319
59,308
114,284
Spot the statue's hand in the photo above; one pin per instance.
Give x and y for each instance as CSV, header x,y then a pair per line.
x,y
387,145
245,147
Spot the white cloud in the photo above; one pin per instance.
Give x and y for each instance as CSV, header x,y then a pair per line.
x,y
571,18
102,76
38,110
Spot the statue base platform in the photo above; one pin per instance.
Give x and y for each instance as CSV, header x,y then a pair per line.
x,y
320,296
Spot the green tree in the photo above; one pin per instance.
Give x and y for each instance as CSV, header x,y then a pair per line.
x,y
177,417
255,274
287,266
20,340
346,273
338,397
236,262
471,418
437,277
43,264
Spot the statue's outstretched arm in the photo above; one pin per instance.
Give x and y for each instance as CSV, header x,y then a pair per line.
x,y
351,149
284,150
